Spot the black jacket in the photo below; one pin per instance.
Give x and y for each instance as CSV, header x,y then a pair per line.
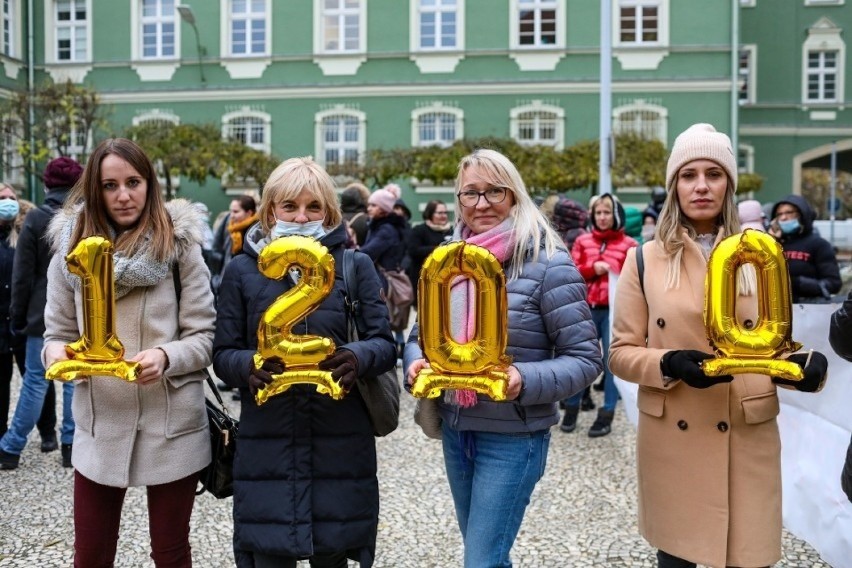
x,y
813,268
29,275
305,470
386,243
422,240
8,341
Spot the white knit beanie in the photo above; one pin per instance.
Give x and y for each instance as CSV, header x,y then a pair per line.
x,y
383,199
701,142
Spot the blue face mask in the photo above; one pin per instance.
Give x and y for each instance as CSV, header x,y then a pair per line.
x,y
789,226
312,229
8,209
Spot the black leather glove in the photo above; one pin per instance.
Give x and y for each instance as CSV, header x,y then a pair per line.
x,y
814,372
343,365
259,378
685,365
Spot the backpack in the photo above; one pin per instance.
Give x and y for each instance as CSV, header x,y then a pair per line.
x,y
399,298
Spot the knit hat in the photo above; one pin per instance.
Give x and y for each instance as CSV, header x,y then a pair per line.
x,y
383,199
62,172
751,215
701,142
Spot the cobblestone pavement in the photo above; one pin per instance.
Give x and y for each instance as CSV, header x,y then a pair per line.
x,y
582,513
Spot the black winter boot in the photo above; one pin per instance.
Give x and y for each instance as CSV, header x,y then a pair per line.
x,y
602,425
569,421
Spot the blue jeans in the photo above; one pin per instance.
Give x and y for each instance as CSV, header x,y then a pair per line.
x,y
491,477
31,400
601,318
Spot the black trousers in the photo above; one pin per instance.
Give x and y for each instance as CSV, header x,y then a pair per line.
x,y
666,560
47,420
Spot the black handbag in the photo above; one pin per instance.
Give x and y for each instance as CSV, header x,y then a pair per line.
x,y
218,477
380,393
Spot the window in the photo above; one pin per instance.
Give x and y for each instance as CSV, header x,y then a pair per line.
x,y
537,23
436,125
78,144
538,124
745,158
156,117
340,135
822,76
341,26
640,117
747,87
823,64
248,27
639,22
438,24
13,163
249,127
158,29
71,30
8,28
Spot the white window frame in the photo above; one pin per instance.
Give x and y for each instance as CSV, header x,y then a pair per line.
x,y
824,36
663,22
265,119
10,9
79,151
228,19
536,6
658,127
161,19
538,108
436,109
12,159
53,25
748,3
319,133
824,2
749,75
417,9
156,116
747,152
638,6
320,14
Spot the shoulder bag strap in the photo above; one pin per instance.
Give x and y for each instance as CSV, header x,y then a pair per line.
x,y
640,266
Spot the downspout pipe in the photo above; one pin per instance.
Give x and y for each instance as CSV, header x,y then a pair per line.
x,y
31,92
735,77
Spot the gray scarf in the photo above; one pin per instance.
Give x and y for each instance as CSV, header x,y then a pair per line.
x,y
136,271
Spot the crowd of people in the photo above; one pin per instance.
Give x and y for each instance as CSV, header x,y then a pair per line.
x,y
188,296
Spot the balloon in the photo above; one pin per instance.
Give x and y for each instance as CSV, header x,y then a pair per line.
x,y
98,352
480,363
300,353
755,350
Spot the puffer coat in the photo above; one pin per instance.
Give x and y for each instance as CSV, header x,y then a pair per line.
x,y
305,471
708,460
129,434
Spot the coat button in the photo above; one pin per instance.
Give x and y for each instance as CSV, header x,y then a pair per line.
x,y
748,324
661,322
682,424
722,426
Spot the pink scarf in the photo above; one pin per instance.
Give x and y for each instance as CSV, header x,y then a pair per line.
x,y
500,241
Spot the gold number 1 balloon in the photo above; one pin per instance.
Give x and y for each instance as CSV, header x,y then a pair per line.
x,y
300,353
754,350
98,352
480,364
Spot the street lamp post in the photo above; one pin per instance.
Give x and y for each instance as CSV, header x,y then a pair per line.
x,y
187,16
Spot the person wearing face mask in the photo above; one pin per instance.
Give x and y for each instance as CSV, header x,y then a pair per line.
x,y
305,481
814,273
12,345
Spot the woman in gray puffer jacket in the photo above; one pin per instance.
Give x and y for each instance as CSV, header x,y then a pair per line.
x,y
495,452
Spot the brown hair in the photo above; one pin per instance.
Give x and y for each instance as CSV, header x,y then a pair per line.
x,y
93,218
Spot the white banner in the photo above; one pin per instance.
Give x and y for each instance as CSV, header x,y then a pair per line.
x,y
815,432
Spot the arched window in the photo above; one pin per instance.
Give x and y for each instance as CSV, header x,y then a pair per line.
x,y
538,124
251,127
340,135
436,125
156,116
642,118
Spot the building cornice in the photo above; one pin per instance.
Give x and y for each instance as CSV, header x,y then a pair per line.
x,y
768,130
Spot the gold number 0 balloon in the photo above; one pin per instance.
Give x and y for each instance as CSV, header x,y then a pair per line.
x,y
98,352
479,364
300,353
754,350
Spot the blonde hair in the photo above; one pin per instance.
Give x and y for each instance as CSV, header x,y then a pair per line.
x,y
669,238
288,180
530,227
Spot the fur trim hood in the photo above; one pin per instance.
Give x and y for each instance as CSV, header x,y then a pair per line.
x,y
187,223
24,207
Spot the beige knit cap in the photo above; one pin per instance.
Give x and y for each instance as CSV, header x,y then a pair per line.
x,y
701,142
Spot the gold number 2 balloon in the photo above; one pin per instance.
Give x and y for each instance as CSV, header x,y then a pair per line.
x,y
480,364
300,353
754,350
98,352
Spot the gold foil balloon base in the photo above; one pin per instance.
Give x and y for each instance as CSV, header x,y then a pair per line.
x,y
322,379
72,369
780,368
430,382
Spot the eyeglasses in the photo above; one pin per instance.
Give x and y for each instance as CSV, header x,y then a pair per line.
x,y
492,195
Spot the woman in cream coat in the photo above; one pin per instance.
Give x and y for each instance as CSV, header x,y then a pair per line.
x,y
708,449
152,432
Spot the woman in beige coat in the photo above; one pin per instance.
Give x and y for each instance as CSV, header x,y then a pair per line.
x,y
708,450
152,432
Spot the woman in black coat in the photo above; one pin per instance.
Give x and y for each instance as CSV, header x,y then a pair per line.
x,y
840,337
423,239
305,472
